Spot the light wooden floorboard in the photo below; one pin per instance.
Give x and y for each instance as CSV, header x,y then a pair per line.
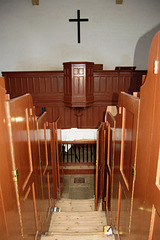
x,y
78,237
74,205
77,220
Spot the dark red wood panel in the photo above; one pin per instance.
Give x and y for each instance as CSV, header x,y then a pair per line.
x,y
47,89
78,84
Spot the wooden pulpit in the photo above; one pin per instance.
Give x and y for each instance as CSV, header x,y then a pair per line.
x,y
78,84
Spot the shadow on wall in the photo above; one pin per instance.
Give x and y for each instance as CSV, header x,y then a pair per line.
x,y
142,49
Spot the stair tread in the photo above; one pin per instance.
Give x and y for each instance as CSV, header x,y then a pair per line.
x,y
90,213
77,222
67,205
78,237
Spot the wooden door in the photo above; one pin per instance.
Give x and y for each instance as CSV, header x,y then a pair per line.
x,y
146,205
129,106
22,133
9,214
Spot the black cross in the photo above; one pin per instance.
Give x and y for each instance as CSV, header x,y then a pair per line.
x,y
78,20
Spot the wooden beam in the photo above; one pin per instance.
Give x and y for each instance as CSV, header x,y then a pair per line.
x,y
35,2
119,1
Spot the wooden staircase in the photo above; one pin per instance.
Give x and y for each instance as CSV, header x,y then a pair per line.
x,y
77,220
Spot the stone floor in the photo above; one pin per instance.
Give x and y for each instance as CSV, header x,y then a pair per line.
x,y
79,186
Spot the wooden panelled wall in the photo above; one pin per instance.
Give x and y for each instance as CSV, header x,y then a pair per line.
x,y
46,88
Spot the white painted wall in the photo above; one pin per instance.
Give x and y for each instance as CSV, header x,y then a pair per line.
x,y
42,38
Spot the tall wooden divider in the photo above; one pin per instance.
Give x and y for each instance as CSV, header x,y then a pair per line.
x,y
47,195
146,204
109,163
30,158
121,165
22,140
9,210
100,152
56,157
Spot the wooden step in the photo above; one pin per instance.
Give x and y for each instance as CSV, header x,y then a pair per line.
x,y
78,237
77,222
75,205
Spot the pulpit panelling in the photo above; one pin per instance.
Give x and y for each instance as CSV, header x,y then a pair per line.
x,y
78,84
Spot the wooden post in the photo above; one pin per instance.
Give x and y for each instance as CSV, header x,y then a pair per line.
x,y
78,114
119,1
35,2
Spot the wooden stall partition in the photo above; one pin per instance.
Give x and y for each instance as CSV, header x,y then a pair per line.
x,y
46,200
146,205
22,140
59,153
109,163
116,151
100,165
123,178
55,171
113,121
40,207
103,155
10,224
56,157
